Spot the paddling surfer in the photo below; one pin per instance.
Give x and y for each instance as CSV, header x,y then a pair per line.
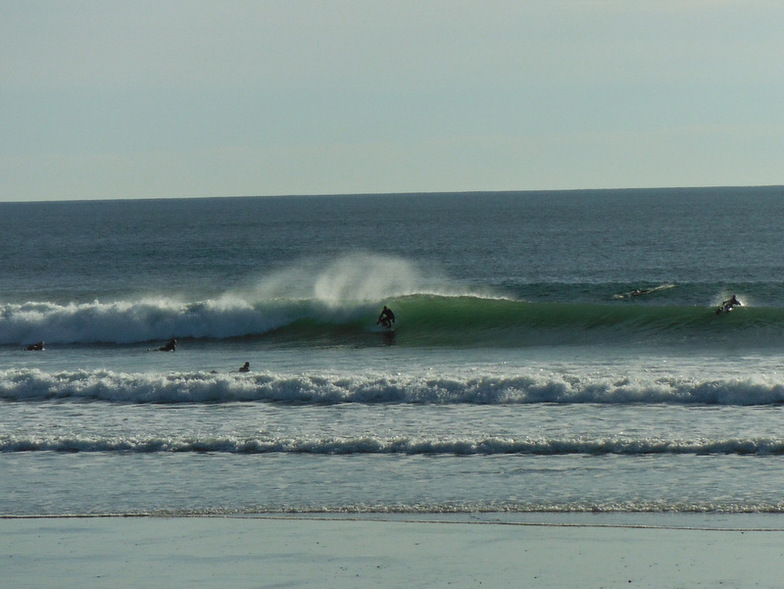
x,y
170,346
729,305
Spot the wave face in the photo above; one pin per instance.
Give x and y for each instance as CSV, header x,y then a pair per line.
x,y
423,320
326,389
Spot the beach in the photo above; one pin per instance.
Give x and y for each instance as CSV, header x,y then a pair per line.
x,y
397,551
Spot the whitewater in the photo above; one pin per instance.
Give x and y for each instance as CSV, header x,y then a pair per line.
x,y
553,351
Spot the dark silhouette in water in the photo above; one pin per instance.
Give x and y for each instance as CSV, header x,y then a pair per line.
x,y
245,367
37,347
387,317
170,346
728,305
638,292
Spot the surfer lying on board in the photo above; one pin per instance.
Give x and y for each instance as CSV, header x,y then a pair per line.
x,y
728,305
170,346
387,317
638,292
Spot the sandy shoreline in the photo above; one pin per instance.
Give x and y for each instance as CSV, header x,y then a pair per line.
x,y
491,550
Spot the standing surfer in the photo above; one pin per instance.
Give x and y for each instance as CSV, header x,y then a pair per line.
x,y
387,317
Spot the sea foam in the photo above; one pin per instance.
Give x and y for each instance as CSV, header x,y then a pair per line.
x,y
374,388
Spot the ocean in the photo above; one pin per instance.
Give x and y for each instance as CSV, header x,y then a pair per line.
x,y
552,352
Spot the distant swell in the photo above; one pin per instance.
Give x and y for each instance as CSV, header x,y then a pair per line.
x,y
372,445
32,385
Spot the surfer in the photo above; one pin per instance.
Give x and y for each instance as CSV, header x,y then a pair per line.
x,y
37,347
245,367
728,305
387,317
638,292
169,346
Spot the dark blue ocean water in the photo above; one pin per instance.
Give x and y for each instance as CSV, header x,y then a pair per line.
x,y
576,246
552,351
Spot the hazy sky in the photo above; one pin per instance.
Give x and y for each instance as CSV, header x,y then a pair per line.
x,y
136,98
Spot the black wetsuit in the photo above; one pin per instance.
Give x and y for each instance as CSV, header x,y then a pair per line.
x,y
387,318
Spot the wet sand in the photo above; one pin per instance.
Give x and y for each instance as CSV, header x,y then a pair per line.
x,y
392,551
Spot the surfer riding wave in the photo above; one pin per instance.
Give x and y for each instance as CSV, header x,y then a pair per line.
x,y
387,318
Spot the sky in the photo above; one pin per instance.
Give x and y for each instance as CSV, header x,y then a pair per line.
x,y
103,99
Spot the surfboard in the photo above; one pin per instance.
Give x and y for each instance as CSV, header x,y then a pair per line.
x,y
637,292
728,306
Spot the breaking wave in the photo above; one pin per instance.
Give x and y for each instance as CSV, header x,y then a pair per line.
x,y
328,389
423,320
402,445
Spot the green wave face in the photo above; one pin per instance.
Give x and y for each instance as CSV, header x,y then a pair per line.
x,y
467,321
422,320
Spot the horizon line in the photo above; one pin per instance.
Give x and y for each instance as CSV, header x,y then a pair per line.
x,y
402,193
